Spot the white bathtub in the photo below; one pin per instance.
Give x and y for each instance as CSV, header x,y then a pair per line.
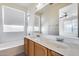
x,y
11,48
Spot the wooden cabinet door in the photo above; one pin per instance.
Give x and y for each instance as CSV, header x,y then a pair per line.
x,y
40,50
31,48
53,53
26,46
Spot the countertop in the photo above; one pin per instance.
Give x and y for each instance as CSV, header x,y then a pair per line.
x,y
70,47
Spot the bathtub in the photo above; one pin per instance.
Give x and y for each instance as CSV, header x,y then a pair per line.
x,y
12,48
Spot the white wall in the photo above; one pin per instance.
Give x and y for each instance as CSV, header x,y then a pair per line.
x,y
50,19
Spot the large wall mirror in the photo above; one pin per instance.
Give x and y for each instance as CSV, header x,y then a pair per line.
x,y
68,21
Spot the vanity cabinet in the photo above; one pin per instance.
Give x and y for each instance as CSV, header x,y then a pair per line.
x,y
32,48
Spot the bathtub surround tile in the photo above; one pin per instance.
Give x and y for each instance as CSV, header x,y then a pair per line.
x,y
11,49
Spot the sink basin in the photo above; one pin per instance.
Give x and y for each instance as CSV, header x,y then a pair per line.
x,y
60,45
56,44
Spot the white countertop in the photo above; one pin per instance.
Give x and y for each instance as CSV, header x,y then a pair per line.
x,y
70,47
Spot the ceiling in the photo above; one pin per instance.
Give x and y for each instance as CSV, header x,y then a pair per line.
x,y
26,4
21,6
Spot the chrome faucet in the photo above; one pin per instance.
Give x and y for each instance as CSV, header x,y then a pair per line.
x,y
60,39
